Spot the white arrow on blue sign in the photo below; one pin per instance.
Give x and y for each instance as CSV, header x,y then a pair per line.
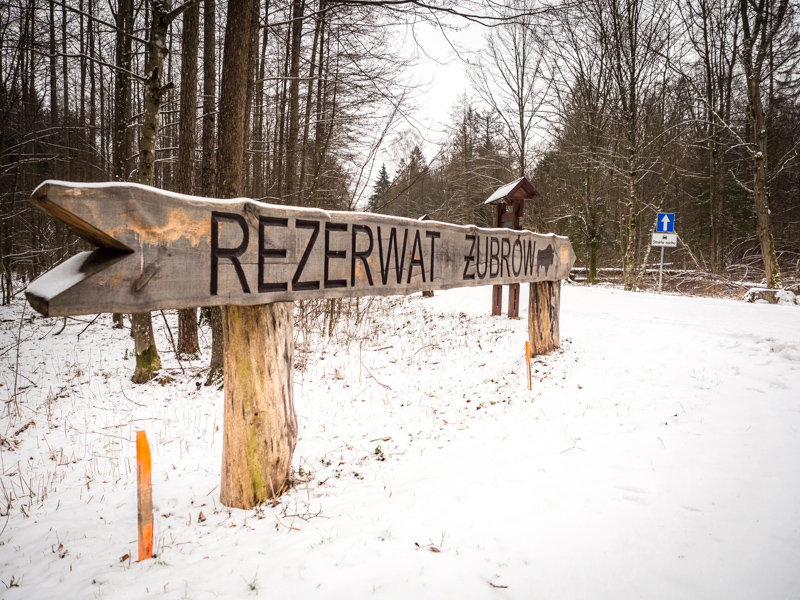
x,y
665,223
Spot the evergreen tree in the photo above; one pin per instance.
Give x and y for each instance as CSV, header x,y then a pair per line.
x,y
382,185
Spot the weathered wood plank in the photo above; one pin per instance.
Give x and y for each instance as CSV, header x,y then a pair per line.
x,y
160,250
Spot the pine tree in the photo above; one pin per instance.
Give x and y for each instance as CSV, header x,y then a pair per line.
x,y
382,185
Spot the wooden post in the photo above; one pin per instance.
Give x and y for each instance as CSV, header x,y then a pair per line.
x,y
144,497
513,301
260,425
544,306
528,361
497,300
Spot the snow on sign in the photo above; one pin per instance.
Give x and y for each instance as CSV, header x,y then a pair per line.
x,y
665,223
160,250
665,240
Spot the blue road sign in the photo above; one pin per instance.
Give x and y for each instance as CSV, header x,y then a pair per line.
x,y
665,223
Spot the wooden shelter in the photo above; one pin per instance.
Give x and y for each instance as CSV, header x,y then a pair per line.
x,y
509,202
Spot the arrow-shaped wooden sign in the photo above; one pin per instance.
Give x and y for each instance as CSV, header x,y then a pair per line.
x,y
159,250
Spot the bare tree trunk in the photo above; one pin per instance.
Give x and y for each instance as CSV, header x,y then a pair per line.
x,y
320,107
758,119
298,6
631,223
209,97
147,358
250,90
761,23
280,159
208,172
65,112
260,426
187,318
592,233
96,174
309,96
122,101
259,186
53,74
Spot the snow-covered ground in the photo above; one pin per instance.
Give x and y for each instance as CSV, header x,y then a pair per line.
x,y
656,457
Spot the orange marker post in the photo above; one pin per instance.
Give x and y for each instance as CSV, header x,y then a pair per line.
x,y
144,496
528,361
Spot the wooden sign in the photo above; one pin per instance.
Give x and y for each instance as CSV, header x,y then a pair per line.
x,y
160,250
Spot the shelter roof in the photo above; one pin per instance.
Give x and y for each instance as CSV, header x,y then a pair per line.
x,y
518,189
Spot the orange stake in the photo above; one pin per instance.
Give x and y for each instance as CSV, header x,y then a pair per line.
x,y
528,361
144,496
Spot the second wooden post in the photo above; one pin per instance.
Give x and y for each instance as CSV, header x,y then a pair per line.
x,y
544,306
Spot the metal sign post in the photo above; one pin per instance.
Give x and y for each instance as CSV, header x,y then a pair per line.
x,y
664,240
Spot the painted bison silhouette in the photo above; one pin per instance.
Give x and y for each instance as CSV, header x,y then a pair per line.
x,y
544,258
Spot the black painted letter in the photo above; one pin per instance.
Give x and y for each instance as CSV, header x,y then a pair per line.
x,y
230,253
434,235
263,223
494,257
296,283
470,257
360,255
416,261
333,283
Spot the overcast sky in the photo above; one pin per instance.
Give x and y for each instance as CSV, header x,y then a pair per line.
x,y
442,76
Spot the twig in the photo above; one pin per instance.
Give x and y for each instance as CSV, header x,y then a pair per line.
x,y
423,348
87,326
63,326
55,322
373,376
24,427
574,447
172,341
16,369
122,391
289,527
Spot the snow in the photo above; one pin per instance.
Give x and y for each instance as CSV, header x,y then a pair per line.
x,y
786,297
50,284
503,191
657,457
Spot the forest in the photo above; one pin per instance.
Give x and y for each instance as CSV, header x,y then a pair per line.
x,y
613,109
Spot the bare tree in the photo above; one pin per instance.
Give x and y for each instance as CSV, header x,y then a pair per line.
x,y
712,31
147,359
187,318
510,78
762,22
582,85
